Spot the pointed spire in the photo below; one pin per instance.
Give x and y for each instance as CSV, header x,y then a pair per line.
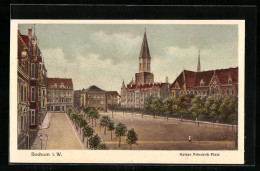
x,y
145,49
123,84
198,67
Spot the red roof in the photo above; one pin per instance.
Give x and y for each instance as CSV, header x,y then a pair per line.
x,y
194,78
60,83
145,87
25,39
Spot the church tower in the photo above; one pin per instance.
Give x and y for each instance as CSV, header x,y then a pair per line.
x,y
144,57
144,76
198,67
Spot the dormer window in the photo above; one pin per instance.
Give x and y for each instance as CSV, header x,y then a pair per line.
x,y
201,82
61,85
229,80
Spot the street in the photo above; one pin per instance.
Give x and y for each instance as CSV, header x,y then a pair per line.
x,y
60,133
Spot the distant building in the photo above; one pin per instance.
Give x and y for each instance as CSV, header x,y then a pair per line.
x,y
60,94
143,87
113,98
214,82
94,97
77,94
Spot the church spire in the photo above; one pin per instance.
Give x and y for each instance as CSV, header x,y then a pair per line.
x,y
123,84
198,67
144,53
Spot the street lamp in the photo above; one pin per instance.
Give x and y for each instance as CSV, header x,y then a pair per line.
x,y
41,140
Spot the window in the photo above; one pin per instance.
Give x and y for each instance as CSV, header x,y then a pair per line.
x,y
201,82
33,94
43,92
203,92
32,117
21,93
223,92
21,123
216,90
140,65
212,90
148,66
187,91
25,95
32,70
40,66
143,65
232,91
43,105
39,92
228,92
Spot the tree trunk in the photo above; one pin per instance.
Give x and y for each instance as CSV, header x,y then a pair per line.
x,y
111,134
95,123
83,137
105,130
87,142
119,141
92,122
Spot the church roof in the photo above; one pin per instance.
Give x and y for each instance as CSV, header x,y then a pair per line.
x,y
145,49
193,78
93,88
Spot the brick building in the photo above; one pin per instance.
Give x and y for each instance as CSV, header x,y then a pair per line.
x,y
113,98
23,85
60,94
214,82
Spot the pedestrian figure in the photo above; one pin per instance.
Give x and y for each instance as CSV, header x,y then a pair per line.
x,y
189,139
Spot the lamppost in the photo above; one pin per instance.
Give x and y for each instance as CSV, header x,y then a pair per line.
x,y
41,140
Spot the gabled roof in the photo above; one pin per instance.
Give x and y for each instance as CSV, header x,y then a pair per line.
x,y
194,78
93,88
66,82
145,53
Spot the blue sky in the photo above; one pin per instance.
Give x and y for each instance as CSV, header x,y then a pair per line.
x,y
106,54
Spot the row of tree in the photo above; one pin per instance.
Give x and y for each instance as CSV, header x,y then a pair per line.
x,y
93,140
207,108
120,130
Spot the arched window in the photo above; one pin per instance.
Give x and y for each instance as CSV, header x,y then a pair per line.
x,y
143,65
216,90
212,91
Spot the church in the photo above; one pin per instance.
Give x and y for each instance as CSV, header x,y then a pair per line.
x,y
223,82
134,94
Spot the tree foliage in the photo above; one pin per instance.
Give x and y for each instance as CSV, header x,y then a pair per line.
x,y
120,131
131,138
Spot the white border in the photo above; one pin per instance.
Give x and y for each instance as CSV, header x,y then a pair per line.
x,y
125,156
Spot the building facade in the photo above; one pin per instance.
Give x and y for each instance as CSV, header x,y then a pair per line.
x,y
222,82
94,97
60,94
76,101
143,87
23,85
113,98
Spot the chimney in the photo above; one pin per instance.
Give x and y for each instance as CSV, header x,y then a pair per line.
x,y
30,33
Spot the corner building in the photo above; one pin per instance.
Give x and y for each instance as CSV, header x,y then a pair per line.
x,y
60,94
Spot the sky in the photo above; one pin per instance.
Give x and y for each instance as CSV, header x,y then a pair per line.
x,y
106,54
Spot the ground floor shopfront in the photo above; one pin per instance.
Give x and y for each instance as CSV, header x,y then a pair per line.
x,y
58,107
